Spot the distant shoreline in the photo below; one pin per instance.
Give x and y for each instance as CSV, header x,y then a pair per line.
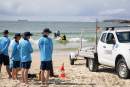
x,y
118,21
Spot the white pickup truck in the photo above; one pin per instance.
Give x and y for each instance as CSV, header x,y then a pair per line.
x,y
113,49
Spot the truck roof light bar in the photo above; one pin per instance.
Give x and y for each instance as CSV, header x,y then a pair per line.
x,y
114,27
110,28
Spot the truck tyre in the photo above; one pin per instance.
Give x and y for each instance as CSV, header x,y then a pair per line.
x,y
86,62
122,69
71,61
92,65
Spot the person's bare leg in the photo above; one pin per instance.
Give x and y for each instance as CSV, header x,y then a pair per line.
x,y
14,74
39,76
23,75
26,76
42,76
51,70
0,71
0,67
47,74
8,71
17,70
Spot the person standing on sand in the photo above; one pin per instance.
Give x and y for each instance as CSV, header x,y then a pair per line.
x,y
15,56
25,54
46,48
4,56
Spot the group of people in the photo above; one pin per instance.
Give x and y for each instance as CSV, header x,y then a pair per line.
x,y
21,55
58,35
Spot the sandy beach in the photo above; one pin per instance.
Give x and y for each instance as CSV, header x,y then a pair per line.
x,y
76,76
98,30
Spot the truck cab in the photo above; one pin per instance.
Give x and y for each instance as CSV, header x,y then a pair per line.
x,y
113,50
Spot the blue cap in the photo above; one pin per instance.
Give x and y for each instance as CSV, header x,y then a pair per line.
x,y
47,30
27,34
17,34
5,31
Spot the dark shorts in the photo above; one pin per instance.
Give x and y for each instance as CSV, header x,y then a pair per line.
x,y
46,65
26,65
4,59
16,64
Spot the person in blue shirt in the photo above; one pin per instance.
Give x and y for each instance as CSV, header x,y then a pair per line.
x,y
4,56
46,49
25,54
15,56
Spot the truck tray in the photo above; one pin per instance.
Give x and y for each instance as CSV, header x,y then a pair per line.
x,y
87,52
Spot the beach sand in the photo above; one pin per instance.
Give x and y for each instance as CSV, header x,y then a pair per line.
x,y
76,76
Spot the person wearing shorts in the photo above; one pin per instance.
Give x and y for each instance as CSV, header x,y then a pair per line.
x,y
4,56
46,65
25,54
4,59
15,56
46,49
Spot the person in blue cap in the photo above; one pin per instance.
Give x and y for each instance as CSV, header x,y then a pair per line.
x,y
25,54
46,48
15,56
4,56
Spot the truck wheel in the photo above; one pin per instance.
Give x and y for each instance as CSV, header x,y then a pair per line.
x,y
122,69
86,62
92,65
71,61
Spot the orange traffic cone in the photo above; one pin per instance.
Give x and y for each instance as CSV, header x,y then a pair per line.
x,y
62,72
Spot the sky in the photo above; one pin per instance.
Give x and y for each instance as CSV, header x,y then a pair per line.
x,y
64,10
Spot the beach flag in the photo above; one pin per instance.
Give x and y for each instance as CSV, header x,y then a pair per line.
x,y
62,72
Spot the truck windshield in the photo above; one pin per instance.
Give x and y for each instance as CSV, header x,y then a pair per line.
x,y
123,37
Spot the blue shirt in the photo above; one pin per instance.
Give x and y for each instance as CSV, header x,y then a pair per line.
x,y
46,48
15,56
4,45
25,50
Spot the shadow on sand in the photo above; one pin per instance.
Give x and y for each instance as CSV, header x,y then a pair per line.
x,y
107,70
60,82
79,64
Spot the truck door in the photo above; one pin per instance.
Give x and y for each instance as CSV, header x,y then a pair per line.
x,y
109,47
101,49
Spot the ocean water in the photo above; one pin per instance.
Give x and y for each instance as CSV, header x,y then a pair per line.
x,y
35,26
71,29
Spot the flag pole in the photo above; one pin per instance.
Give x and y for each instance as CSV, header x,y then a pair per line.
x,y
96,34
81,44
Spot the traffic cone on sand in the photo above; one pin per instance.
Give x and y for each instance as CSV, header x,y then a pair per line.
x,y
62,72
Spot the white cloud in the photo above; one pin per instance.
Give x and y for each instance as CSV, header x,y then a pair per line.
x,y
42,7
38,9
